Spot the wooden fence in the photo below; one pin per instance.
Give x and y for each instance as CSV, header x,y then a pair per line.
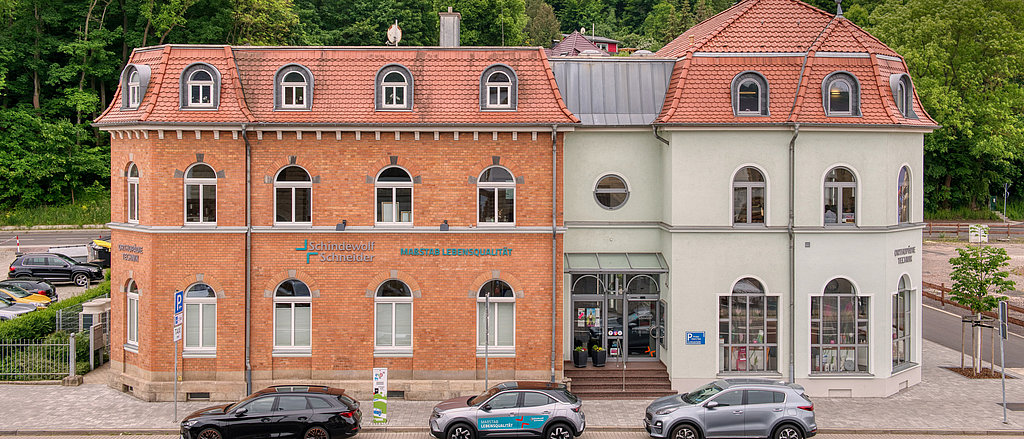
x,y
962,230
942,297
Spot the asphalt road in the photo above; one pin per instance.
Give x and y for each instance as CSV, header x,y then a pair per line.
x,y
944,328
46,238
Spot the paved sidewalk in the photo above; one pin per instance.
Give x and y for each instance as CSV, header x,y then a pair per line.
x,y
944,401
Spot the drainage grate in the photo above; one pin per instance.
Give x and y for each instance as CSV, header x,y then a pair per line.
x,y
398,394
1014,406
197,396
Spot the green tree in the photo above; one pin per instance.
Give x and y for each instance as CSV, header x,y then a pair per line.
x,y
262,22
541,27
980,281
666,22
490,22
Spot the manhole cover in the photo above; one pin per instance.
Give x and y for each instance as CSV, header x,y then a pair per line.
x,y
1014,406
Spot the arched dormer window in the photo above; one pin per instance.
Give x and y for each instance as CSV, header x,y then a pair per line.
x,y
134,81
200,87
750,94
394,88
496,201
903,94
841,94
498,88
293,88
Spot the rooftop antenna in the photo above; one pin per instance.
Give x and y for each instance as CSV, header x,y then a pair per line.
x,y
839,8
394,34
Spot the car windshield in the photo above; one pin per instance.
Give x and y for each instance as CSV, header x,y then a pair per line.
x,y
479,399
702,393
16,291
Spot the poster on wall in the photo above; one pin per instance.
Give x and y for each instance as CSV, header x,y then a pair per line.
x,y
380,395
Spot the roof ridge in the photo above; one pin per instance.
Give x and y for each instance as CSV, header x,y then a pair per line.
x,y
554,87
823,36
881,94
801,89
725,24
165,58
236,78
670,110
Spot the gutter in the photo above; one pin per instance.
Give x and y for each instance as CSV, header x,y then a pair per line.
x,y
248,261
554,244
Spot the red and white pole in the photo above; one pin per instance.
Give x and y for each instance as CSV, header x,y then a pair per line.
x,y
18,242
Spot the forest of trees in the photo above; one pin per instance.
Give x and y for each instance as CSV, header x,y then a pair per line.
x,y
60,61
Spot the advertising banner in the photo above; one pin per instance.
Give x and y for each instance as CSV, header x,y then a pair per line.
x,y
380,395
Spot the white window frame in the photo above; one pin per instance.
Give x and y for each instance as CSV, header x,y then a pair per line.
x,y
133,193
201,182
840,185
133,89
201,302
495,186
132,310
394,186
507,86
749,186
828,96
856,296
291,186
291,89
903,196
739,89
906,289
292,302
202,84
480,299
392,301
385,85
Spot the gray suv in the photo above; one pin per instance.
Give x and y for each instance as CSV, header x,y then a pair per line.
x,y
514,408
735,407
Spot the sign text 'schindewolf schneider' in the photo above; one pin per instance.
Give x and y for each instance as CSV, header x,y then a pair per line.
x,y
328,251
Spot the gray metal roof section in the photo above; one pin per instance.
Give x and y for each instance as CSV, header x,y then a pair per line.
x,y
611,91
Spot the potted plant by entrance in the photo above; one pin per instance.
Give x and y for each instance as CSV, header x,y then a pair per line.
x,y
598,355
579,356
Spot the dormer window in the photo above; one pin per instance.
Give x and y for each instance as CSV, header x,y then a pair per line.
x,y
750,94
394,88
294,88
134,80
133,89
903,94
200,87
498,89
841,95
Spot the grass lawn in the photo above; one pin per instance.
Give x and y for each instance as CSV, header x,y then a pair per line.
x,y
960,214
93,208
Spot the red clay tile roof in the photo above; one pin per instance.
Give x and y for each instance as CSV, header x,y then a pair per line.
x,y
772,37
445,86
572,45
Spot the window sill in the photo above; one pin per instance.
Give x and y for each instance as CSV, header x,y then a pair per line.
x,y
490,225
133,348
904,367
278,225
197,109
769,374
496,353
407,225
498,109
395,110
395,354
200,225
199,354
293,109
826,375
278,352
749,225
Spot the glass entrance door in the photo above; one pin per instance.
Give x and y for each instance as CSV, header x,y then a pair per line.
x,y
588,323
642,331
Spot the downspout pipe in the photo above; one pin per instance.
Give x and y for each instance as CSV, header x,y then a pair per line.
x,y
554,245
248,261
792,254
662,139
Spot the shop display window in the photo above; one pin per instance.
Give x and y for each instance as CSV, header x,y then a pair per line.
x,y
748,328
839,329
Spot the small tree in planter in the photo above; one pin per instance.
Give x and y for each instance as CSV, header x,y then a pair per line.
x,y
579,356
979,279
598,355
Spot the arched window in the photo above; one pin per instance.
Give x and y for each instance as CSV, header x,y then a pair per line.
x,y
498,88
496,202
393,317
903,196
903,94
200,89
293,196
200,318
292,315
293,88
611,192
394,196
748,334
394,88
134,80
132,295
901,319
841,94
840,197
133,193
839,329
748,196
133,89
750,94
496,317
200,195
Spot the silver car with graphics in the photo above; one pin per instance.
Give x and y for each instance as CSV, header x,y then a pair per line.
x,y
734,408
511,409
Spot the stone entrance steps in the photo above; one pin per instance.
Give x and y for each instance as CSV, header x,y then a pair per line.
x,y
639,380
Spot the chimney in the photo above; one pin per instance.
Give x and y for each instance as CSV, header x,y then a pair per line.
x,y
450,22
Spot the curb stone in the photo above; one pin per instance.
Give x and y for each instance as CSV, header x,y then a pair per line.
x,y
407,429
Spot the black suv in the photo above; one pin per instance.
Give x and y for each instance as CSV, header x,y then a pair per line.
x,y
307,412
55,267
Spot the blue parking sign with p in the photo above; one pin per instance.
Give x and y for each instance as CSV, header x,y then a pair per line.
x,y
179,301
695,337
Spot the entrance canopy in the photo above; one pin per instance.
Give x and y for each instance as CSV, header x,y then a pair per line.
x,y
576,263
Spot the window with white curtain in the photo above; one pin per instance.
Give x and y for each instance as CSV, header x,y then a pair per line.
x,y
133,193
132,295
200,318
393,317
496,317
292,316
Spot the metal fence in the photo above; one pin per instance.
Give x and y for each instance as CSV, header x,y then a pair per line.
x,y
36,359
71,319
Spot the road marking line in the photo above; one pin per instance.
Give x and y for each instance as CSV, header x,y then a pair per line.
x,y
958,316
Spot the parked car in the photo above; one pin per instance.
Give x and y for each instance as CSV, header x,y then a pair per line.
x,y
10,309
734,407
55,267
307,412
33,285
19,295
514,408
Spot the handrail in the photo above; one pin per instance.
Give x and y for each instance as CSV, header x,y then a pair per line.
x,y
944,300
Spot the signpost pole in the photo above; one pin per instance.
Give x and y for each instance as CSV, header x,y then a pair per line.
x,y
487,337
1002,355
179,319
175,381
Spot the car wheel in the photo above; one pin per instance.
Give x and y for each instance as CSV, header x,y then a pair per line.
x,y
81,280
460,431
209,433
788,431
685,431
316,432
559,431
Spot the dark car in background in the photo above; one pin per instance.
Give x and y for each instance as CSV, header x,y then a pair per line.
x,y
33,285
306,412
9,309
55,267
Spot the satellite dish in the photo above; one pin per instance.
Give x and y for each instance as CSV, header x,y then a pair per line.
x,y
394,34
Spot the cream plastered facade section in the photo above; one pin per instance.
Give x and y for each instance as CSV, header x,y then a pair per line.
x,y
680,204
